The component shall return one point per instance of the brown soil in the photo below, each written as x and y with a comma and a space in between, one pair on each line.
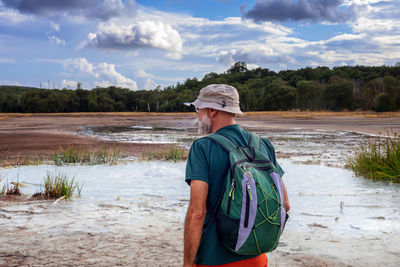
25, 136
30, 136
155, 242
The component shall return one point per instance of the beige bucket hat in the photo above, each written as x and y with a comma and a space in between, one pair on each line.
218, 96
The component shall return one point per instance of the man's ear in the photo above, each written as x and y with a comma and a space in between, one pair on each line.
213, 112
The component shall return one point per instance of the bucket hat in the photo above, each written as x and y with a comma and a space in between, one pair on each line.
218, 96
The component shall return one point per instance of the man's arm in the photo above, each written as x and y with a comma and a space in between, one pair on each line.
285, 198
194, 221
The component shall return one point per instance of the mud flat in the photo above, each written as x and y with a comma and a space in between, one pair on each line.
132, 214
27, 135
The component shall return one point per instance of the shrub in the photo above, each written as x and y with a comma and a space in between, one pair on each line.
8, 189
106, 155
59, 185
378, 160
174, 153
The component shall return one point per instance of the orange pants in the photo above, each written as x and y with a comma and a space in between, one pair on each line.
259, 261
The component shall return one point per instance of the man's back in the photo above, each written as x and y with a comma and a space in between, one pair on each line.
209, 162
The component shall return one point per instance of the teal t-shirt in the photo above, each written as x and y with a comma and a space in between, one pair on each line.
208, 162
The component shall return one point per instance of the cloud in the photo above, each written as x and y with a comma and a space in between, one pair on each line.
143, 34
150, 84
80, 64
98, 9
226, 57
143, 74
255, 57
57, 41
104, 71
298, 10
11, 15
272, 50
69, 84
9, 82
194, 25
55, 26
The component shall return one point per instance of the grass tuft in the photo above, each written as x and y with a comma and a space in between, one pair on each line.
378, 160
59, 185
8, 189
175, 153
106, 155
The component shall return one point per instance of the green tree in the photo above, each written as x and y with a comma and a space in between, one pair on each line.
338, 94
309, 95
237, 67
92, 101
384, 102
279, 96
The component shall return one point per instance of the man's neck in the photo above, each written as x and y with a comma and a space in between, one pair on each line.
221, 124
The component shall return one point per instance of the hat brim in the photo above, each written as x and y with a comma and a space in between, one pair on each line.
203, 104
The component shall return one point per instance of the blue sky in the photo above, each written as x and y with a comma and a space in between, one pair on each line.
145, 43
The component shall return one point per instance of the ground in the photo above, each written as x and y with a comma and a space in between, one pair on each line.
30, 135
158, 244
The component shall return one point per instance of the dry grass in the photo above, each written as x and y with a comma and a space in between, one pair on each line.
175, 153
94, 114
310, 114
287, 114
10, 188
106, 155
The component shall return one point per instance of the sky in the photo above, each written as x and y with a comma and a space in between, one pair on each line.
143, 44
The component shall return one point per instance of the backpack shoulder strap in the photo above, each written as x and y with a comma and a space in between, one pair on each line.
226, 143
255, 141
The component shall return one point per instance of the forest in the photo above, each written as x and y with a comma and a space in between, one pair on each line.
320, 88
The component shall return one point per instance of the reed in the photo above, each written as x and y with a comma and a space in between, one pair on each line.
34, 160
379, 159
58, 185
8, 189
175, 153
106, 155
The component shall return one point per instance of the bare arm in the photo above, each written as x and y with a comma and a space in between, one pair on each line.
194, 220
285, 198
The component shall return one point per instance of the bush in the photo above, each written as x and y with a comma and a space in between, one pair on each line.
385, 102
379, 160
175, 153
59, 185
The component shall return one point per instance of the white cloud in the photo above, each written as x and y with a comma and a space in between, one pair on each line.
57, 41
150, 84
55, 26
252, 66
143, 74
183, 22
69, 84
226, 57
104, 71
143, 34
108, 71
12, 15
8, 82
80, 64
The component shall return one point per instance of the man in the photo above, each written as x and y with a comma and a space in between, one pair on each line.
206, 169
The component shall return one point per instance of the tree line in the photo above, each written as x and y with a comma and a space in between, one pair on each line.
321, 88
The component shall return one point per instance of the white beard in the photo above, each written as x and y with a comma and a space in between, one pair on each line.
204, 126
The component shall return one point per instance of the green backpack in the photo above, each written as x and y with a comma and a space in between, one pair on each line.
251, 215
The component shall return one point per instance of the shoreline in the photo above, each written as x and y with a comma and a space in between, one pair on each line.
155, 239
28, 135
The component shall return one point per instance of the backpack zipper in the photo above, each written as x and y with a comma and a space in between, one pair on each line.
248, 198
231, 196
